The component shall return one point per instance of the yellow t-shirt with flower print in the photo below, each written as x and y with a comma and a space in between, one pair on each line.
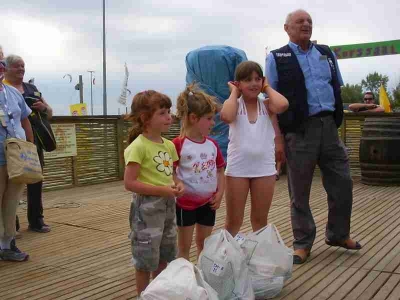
155, 160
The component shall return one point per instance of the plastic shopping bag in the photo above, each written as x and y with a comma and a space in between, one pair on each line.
212, 294
270, 262
266, 288
179, 281
223, 264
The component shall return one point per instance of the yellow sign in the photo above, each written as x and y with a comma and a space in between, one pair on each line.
78, 109
65, 139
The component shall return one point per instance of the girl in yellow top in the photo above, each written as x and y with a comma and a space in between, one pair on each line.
149, 175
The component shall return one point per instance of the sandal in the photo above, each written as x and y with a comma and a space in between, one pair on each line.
343, 244
300, 259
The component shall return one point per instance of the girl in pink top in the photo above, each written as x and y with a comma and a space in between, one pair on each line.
200, 167
253, 132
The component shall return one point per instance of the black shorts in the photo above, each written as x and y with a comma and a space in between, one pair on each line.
204, 215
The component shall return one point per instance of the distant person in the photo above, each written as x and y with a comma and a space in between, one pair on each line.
308, 75
14, 122
368, 105
14, 76
18, 234
251, 149
200, 167
150, 176
17, 220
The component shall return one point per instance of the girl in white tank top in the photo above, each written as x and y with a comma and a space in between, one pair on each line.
251, 148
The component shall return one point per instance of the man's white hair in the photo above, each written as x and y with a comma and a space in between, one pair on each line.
289, 16
12, 59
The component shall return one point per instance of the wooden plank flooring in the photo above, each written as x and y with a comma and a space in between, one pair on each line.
87, 253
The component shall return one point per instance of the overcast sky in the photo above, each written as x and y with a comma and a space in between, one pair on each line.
153, 37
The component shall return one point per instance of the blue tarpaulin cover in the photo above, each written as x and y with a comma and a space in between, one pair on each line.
212, 67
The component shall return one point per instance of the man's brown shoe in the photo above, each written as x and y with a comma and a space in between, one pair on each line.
300, 256
347, 244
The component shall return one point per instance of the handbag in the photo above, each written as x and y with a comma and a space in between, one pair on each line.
43, 132
23, 165
40, 125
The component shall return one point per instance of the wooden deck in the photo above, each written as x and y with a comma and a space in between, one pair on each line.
87, 253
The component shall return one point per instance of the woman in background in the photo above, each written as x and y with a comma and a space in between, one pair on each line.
14, 121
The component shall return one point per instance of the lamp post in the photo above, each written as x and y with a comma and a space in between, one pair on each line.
91, 91
104, 61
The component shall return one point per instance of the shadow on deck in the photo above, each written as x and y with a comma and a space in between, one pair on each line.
87, 253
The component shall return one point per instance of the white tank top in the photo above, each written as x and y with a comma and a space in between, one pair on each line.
251, 148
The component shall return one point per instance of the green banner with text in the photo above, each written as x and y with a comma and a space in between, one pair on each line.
367, 49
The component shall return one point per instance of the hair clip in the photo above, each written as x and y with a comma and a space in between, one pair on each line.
191, 93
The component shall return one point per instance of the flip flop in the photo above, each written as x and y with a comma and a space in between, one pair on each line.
343, 244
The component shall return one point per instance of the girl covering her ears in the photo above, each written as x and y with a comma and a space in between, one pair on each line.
251, 148
200, 167
149, 175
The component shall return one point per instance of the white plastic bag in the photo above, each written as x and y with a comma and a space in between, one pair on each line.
179, 281
270, 255
270, 262
265, 288
223, 264
212, 294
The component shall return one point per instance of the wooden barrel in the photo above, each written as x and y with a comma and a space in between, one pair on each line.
380, 151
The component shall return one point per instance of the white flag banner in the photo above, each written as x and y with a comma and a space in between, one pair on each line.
124, 90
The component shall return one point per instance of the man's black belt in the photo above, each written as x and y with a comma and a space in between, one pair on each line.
322, 114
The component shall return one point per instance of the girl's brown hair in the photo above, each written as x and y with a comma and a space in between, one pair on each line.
194, 100
246, 68
144, 104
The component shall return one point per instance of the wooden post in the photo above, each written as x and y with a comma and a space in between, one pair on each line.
75, 178
80, 89
120, 145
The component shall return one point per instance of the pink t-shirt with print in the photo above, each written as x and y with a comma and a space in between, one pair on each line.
197, 168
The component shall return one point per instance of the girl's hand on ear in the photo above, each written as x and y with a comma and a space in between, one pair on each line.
233, 88
265, 85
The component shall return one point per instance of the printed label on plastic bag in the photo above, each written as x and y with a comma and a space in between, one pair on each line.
217, 269
240, 238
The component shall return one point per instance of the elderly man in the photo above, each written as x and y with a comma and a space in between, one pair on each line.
14, 77
367, 105
308, 76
